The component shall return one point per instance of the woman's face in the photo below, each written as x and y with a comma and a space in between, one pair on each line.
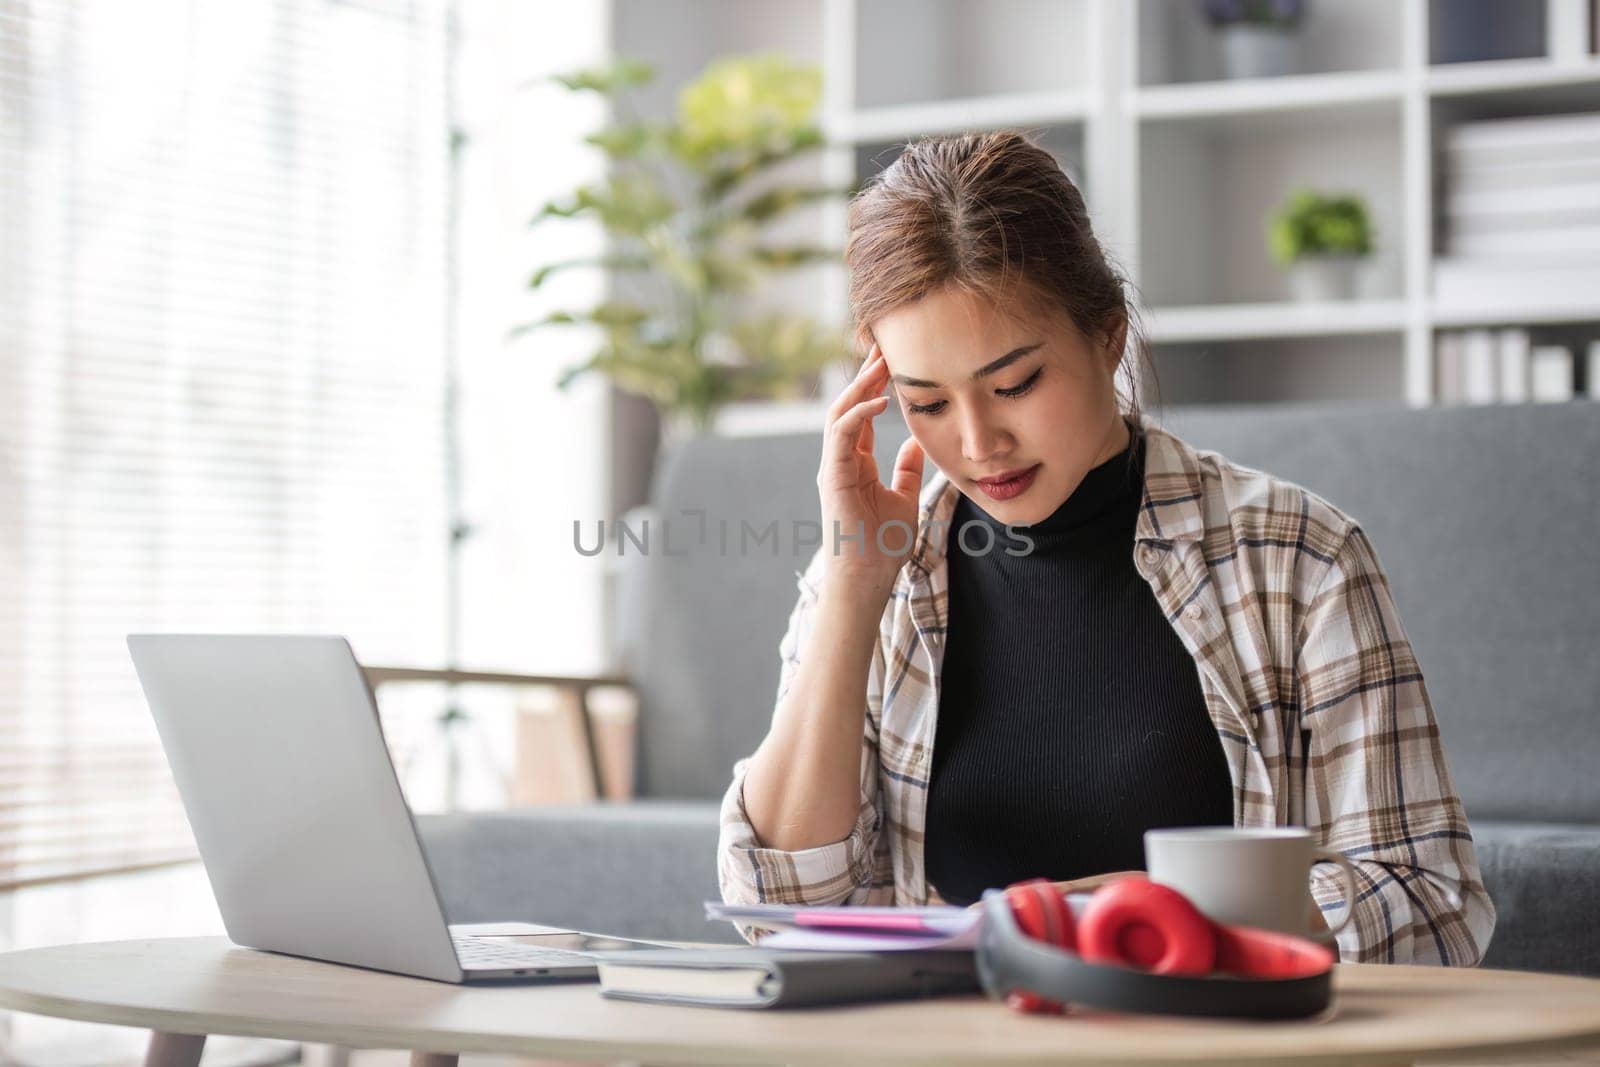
988, 393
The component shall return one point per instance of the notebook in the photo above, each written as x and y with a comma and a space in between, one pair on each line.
757, 977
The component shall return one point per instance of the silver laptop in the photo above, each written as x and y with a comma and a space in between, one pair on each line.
277, 750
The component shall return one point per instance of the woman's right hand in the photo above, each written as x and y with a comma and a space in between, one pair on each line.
852, 493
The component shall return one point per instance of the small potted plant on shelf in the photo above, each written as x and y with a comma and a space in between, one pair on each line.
1258, 38
1323, 239
686, 210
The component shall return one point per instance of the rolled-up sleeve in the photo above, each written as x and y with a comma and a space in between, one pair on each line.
1378, 785
854, 870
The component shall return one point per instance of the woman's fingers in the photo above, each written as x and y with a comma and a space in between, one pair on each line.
847, 427
908, 468
868, 437
868, 380
846, 430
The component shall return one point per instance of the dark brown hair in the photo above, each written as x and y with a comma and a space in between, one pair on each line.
994, 214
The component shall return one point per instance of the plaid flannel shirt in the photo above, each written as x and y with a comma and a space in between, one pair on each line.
1307, 675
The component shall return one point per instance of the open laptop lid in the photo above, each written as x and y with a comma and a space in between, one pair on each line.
275, 744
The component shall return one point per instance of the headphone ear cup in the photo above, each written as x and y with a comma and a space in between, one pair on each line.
1042, 913
1140, 923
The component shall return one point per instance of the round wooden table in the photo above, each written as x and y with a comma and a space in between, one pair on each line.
185, 988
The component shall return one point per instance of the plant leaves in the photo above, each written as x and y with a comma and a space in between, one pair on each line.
626, 140
629, 203
775, 202
611, 262
612, 315
733, 168
743, 100
1311, 222
783, 256
622, 74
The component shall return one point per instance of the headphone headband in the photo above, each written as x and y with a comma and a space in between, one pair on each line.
1009, 960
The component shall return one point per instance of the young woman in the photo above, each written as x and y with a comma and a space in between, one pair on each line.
1081, 627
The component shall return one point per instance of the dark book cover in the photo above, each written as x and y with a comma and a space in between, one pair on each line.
754, 977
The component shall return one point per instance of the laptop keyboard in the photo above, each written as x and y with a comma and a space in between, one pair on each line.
484, 952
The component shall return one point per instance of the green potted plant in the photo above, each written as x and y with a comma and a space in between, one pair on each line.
686, 208
1323, 239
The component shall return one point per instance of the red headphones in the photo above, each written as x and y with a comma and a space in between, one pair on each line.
1142, 946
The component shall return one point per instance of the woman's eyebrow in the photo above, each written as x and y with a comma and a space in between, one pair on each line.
983, 371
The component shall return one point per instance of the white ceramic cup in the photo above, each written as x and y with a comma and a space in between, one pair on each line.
1246, 876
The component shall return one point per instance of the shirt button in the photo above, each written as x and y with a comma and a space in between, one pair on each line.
1193, 611
1151, 555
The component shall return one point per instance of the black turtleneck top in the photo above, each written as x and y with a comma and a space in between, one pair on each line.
1070, 714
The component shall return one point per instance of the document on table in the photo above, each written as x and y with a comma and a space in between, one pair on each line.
845, 928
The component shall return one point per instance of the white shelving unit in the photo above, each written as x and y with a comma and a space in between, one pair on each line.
1181, 168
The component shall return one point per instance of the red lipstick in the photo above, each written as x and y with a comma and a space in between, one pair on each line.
1008, 484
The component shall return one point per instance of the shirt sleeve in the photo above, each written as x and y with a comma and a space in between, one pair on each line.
1378, 786
855, 870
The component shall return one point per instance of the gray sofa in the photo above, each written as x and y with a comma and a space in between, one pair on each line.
1486, 519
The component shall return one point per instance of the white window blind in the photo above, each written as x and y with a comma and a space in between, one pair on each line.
222, 335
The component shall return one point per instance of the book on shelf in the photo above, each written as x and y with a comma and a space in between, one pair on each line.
1513, 349
1568, 30
1560, 200
1522, 188
1479, 378
1503, 366
1460, 283
1528, 244
1513, 174
1550, 374
1447, 367
756, 977
1484, 141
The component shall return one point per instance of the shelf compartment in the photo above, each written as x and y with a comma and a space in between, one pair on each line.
1207, 189
1471, 31
1177, 45
925, 51
1357, 368
1518, 190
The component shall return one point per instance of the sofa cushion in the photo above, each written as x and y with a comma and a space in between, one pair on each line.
1484, 519
1544, 879
642, 869
699, 625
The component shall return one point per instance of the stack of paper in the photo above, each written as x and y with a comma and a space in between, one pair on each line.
1524, 187
864, 929
1521, 212
856, 929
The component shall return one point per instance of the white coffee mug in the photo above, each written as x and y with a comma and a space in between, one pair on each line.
1246, 876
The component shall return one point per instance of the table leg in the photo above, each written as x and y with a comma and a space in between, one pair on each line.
434, 1059
174, 1050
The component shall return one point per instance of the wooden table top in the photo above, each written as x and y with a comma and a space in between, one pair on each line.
1383, 1014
